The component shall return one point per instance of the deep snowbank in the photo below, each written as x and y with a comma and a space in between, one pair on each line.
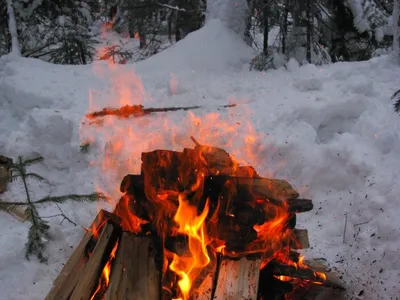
330, 131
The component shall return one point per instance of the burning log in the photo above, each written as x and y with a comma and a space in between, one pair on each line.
195, 226
67, 280
299, 205
97, 261
238, 279
139, 110
135, 273
301, 239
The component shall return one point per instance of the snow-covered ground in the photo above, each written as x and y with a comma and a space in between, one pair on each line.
329, 130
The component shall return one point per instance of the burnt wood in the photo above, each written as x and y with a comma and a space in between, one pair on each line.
299, 205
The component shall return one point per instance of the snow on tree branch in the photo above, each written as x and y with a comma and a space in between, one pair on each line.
232, 13
12, 25
368, 17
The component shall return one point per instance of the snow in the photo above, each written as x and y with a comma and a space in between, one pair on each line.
232, 13
396, 31
13, 28
330, 131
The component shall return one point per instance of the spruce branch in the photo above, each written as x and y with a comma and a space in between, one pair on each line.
396, 96
397, 106
39, 231
93, 197
38, 235
84, 147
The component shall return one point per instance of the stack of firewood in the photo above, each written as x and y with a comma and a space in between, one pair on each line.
239, 202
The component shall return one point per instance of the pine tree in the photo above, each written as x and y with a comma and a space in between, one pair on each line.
58, 31
39, 231
396, 98
396, 31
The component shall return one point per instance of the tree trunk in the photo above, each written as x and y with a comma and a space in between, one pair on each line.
310, 22
266, 26
12, 26
396, 30
247, 35
285, 27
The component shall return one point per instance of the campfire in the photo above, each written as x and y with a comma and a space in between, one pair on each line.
196, 225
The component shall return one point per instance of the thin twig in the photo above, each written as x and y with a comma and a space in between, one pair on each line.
345, 227
61, 215
366, 222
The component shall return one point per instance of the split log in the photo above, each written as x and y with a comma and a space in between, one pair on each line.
280, 269
5, 173
332, 277
67, 279
308, 274
301, 239
5, 177
97, 260
275, 190
299, 205
135, 272
238, 279
203, 286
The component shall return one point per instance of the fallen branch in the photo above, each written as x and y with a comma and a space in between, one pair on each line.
139, 110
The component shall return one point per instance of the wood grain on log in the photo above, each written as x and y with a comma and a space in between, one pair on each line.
302, 241
135, 273
91, 272
203, 285
237, 279
67, 279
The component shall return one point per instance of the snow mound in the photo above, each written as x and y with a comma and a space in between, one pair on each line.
308, 84
213, 48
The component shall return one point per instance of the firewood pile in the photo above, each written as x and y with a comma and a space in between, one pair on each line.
196, 225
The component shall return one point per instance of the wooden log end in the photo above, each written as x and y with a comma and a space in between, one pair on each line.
301, 239
237, 279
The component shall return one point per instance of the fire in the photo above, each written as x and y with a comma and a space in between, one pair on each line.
193, 226
119, 143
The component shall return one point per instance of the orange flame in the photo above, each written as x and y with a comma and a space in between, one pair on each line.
193, 226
